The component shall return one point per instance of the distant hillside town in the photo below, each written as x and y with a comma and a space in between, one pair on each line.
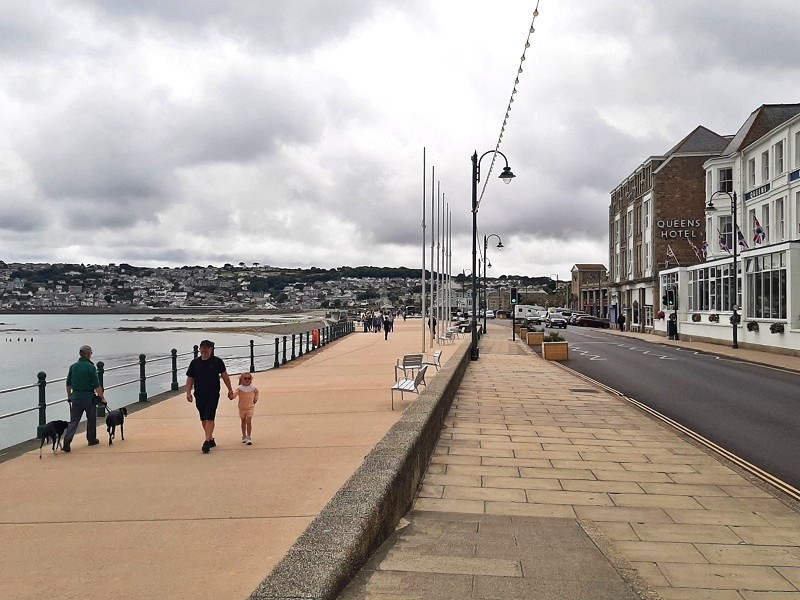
63, 287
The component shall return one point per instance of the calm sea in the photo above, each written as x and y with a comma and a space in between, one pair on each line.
33, 343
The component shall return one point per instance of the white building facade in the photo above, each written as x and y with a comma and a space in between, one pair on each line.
761, 169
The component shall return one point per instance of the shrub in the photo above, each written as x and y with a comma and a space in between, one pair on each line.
776, 328
660, 315
752, 326
696, 317
553, 337
713, 318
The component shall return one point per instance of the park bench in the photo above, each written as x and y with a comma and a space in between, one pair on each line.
409, 385
433, 360
409, 364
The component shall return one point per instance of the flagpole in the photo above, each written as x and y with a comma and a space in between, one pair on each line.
433, 219
424, 188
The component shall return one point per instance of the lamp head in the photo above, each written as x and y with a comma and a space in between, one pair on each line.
500, 245
710, 208
507, 175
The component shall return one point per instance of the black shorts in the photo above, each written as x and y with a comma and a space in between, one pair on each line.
207, 406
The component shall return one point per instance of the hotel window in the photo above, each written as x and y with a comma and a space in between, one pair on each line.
778, 153
646, 214
766, 286
751, 171
751, 220
710, 288
639, 261
647, 255
797, 211
630, 223
780, 218
709, 184
765, 167
726, 180
765, 223
648, 316
726, 232
797, 149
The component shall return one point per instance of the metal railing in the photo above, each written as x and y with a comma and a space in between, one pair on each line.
286, 348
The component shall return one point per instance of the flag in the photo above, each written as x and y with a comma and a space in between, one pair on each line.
759, 235
704, 248
740, 237
670, 253
722, 244
694, 248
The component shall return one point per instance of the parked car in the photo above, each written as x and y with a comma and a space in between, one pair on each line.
502, 314
590, 321
490, 314
555, 320
575, 316
536, 318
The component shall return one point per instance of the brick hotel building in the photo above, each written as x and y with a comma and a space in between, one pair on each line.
658, 207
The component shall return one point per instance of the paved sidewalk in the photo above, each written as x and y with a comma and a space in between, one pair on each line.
546, 487
153, 517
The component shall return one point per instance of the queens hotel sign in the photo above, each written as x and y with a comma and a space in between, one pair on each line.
679, 229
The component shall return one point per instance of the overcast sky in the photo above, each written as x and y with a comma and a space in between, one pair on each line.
291, 133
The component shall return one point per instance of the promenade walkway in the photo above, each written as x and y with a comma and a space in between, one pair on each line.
153, 517
545, 486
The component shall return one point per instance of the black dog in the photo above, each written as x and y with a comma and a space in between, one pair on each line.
114, 418
53, 432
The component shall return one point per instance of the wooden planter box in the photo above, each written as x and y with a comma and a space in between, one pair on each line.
517, 327
523, 331
535, 338
555, 350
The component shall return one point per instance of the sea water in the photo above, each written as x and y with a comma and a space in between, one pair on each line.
30, 343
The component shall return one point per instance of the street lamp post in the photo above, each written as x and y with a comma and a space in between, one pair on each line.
485, 250
735, 270
506, 176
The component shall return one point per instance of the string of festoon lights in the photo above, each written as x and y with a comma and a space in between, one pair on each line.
510, 102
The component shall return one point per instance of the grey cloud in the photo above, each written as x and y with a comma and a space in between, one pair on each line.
17, 218
297, 27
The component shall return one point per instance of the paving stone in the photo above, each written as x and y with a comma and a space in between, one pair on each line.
783, 556
655, 500
466, 506
675, 532
636, 551
696, 594
484, 493
730, 577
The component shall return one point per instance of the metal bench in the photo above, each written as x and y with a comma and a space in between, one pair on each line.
409, 364
433, 360
409, 385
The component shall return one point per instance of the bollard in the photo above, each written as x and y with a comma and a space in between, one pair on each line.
293, 354
252, 357
42, 377
142, 379
283, 360
174, 385
100, 409
277, 364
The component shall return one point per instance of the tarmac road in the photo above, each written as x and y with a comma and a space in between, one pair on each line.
748, 409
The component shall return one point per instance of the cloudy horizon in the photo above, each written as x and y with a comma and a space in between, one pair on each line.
292, 133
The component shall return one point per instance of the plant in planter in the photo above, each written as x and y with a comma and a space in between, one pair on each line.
738, 319
713, 318
752, 326
660, 315
696, 317
776, 328
555, 347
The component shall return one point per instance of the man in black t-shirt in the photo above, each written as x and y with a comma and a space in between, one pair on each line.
203, 376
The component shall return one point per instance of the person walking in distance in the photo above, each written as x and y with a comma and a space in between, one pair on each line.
202, 376
387, 327
83, 386
248, 396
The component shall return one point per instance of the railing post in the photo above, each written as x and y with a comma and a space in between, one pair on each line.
283, 360
252, 357
293, 352
322, 336
142, 379
308, 342
299, 345
277, 364
196, 350
174, 385
42, 377
100, 409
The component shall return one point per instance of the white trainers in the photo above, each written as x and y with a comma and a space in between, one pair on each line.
244, 440
248, 441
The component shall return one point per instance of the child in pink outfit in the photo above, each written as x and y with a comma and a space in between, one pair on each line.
248, 396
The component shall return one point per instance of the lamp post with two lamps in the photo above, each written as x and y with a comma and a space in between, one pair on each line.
506, 176
485, 249
710, 208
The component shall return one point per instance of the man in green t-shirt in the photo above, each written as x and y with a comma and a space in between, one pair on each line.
83, 385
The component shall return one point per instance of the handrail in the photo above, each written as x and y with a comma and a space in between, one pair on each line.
297, 345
